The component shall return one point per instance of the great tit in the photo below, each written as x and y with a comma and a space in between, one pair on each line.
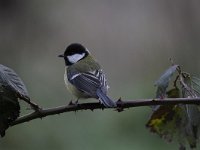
83, 76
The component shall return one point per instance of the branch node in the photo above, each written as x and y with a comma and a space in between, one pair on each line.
119, 109
120, 99
119, 105
153, 100
119, 102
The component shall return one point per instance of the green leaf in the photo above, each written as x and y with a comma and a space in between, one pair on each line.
9, 109
173, 93
163, 82
187, 90
11, 88
196, 85
191, 90
167, 121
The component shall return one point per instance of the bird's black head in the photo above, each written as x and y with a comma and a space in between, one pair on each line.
73, 53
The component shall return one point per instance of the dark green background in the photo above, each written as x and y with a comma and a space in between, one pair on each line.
132, 39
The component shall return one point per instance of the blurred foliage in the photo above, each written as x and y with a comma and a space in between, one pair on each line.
131, 39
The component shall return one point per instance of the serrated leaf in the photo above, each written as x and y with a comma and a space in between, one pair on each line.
10, 80
165, 119
11, 88
190, 89
196, 85
163, 82
166, 122
9, 109
187, 87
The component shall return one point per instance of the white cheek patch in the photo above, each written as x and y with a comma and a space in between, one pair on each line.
75, 57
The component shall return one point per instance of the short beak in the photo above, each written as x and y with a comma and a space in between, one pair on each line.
61, 55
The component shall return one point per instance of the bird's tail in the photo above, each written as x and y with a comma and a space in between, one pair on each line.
105, 100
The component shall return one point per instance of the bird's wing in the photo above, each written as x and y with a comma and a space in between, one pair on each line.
88, 82
94, 84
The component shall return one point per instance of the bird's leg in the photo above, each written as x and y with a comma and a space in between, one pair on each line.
76, 102
73, 103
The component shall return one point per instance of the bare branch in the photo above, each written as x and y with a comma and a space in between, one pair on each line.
40, 113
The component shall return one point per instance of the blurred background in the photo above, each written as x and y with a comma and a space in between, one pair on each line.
132, 39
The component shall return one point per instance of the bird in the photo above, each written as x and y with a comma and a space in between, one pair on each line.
84, 76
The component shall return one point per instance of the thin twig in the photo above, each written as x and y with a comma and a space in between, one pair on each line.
91, 106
